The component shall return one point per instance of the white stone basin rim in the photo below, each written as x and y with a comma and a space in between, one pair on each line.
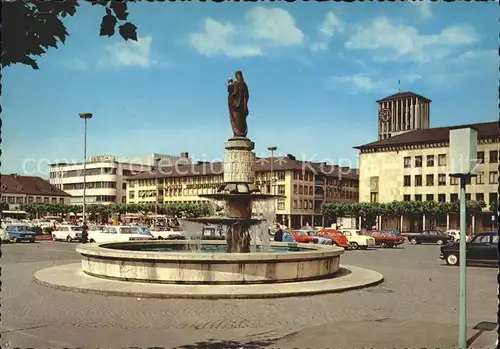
213, 268
106, 252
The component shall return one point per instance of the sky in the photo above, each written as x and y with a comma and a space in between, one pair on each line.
314, 71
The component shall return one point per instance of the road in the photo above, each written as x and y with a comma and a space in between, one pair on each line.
417, 301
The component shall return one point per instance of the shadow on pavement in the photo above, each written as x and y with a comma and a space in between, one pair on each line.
226, 344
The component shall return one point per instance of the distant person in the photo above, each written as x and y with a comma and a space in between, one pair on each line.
85, 233
278, 235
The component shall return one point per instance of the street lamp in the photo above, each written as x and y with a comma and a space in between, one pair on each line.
272, 149
463, 160
157, 160
85, 117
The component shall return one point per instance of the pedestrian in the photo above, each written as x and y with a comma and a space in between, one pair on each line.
278, 235
85, 233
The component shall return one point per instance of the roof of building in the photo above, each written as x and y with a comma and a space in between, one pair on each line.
28, 185
485, 130
261, 165
400, 95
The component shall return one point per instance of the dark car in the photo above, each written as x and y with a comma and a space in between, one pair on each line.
482, 249
430, 237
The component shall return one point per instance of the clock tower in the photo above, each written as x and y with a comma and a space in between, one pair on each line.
402, 112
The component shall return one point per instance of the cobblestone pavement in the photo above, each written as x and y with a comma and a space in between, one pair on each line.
418, 287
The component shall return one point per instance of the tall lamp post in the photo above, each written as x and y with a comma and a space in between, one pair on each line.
85, 117
463, 160
156, 160
272, 149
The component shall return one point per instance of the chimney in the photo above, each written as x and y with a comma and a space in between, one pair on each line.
185, 155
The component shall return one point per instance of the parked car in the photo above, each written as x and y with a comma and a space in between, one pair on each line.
430, 237
309, 237
168, 233
385, 240
67, 233
118, 234
20, 232
358, 240
394, 232
337, 238
4, 236
456, 234
482, 249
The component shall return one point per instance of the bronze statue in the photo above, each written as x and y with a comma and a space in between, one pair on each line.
238, 97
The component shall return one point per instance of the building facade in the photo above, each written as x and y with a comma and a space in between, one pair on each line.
17, 190
105, 175
305, 185
415, 166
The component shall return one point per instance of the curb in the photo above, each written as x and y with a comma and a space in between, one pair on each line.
325, 286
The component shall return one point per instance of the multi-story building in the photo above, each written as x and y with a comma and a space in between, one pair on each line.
105, 176
415, 166
305, 185
17, 190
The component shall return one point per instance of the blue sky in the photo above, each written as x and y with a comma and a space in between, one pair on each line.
314, 73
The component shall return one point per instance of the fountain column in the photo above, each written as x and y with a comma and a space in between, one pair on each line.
239, 176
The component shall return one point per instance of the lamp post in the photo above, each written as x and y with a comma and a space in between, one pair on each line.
463, 158
272, 149
85, 117
156, 160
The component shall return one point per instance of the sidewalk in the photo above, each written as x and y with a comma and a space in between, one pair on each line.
383, 334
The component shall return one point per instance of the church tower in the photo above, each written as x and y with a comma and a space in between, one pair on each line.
402, 112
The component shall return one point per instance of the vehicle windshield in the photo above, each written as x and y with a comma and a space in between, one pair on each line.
19, 227
129, 230
77, 228
144, 230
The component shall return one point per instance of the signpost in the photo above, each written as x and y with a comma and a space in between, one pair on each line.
463, 160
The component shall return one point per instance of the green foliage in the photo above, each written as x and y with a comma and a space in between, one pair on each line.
369, 210
29, 29
190, 210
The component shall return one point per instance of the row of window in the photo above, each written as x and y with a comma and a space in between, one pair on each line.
302, 204
430, 159
492, 197
441, 179
92, 185
90, 172
30, 199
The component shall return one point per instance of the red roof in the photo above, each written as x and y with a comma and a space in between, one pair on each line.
28, 185
401, 95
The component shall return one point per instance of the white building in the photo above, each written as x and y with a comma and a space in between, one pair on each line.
105, 176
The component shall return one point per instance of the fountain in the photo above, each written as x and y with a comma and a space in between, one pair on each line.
219, 269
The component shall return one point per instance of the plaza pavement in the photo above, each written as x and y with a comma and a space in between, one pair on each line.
416, 307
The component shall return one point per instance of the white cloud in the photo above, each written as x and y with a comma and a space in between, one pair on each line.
364, 83
478, 57
264, 28
397, 42
130, 53
327, 29
424, 8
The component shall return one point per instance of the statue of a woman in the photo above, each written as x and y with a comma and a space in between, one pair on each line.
238, 97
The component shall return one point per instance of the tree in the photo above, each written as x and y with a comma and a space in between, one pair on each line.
30, 28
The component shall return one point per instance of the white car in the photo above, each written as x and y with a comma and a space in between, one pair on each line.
358, 240
456, 235
167, 233
117, 233
67, 233
4, 236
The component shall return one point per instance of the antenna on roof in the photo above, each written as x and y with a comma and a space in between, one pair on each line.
399, 86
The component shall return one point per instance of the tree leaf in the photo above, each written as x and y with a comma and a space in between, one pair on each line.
128, 31
120, 9
108, 25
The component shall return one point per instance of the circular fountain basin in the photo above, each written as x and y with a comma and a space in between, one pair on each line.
168, 262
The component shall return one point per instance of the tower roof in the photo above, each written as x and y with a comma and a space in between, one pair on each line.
400, 95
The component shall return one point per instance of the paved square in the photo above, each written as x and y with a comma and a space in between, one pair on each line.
416, 306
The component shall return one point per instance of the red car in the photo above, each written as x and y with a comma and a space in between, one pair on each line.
303, 237
338, 238
385, 240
